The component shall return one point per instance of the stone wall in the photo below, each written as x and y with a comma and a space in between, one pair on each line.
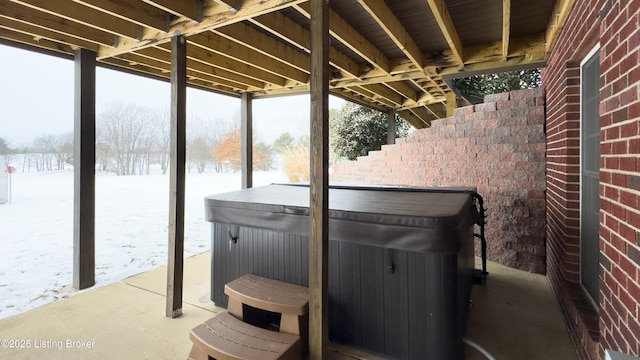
498, 147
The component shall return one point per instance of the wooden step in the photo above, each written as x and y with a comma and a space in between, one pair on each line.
225, 337
289, 300
268, 294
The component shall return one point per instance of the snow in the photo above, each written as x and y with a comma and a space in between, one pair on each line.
36, 230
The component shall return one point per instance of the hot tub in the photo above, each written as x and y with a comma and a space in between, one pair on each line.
401, 260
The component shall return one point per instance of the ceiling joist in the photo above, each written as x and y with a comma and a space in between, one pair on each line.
386, 55
506, 27
443, 18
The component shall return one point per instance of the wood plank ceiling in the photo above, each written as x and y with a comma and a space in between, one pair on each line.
392, 54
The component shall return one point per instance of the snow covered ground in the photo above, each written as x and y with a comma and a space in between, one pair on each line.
36, 230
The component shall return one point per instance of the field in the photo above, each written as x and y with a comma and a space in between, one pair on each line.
36, 230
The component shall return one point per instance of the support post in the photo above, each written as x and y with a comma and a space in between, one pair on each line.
391, 127
319, 193
177, 175
452, 103
246, 130
84, 173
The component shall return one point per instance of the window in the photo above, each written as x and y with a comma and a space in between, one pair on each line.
590, 173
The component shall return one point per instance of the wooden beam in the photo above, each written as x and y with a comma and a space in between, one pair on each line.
404, 90
199, 65
226, 63
391, 126
177, 159
154, 57
373, 97
233, 5
241, 53
506, 27
86, 16
190, 9
84, 176
246, 139
265, 44
490, 67
423, 114
351, 38
135, 11
385, 18
288, 30
525, 52
212, 17
452, 103
412, 119
38, 33
559, 17
385, 93
319, 183
22, 40
441, 14
54, 23
378, 79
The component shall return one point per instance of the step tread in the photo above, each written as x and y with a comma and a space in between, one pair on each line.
269, 294
226, 337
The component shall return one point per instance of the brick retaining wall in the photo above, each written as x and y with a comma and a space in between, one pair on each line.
498, 147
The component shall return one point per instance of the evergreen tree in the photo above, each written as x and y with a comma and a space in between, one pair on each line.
357, 129
480, 85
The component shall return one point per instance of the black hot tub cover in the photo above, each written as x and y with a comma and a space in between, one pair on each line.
405, 218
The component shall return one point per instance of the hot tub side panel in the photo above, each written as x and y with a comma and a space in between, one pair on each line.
416, 311
276, 255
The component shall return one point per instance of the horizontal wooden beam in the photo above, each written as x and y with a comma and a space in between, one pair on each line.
50, 22
265, 44
241, 53
84, 15
296, 35
212, 17
414, 120
190, 9
135, 11
351, 38
38, 33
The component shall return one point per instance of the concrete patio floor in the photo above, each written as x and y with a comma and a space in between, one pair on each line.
514, 316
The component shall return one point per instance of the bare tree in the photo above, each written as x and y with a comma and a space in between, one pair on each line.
161, 132
43, 150
62, 146
6, 151
121, 137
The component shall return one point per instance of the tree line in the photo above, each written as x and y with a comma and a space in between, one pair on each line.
131, 139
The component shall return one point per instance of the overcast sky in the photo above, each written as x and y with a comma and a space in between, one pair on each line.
36, 99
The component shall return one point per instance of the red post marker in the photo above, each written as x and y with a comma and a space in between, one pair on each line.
10, 170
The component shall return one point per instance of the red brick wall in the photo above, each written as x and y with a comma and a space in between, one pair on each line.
497, 147
620, 177
615, 325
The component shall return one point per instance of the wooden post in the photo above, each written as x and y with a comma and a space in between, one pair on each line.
319, 193
177, 175
391, 127
84, 173
246, 130
452, 103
